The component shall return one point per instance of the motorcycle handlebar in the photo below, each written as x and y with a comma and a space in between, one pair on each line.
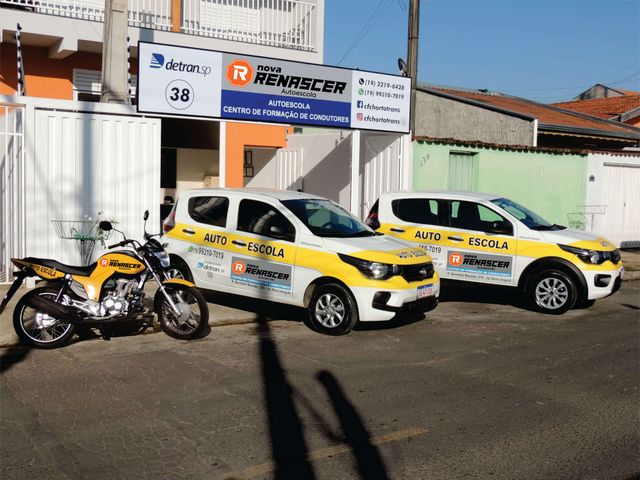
119, 244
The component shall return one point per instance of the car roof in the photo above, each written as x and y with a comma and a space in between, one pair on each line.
257, 192
447, 194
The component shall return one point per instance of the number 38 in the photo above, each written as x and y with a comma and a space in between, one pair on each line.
183, 95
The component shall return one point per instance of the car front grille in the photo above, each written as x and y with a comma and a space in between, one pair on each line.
417, 273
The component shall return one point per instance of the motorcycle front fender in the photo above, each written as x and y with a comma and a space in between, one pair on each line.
179, 281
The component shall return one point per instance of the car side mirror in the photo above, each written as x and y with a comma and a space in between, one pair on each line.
105, 226
501, 228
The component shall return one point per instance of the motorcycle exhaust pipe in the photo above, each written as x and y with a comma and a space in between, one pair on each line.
43, 304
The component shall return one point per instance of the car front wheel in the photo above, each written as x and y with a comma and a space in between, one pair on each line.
333, 310
552, 291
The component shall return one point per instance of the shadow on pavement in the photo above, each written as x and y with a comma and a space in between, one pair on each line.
12, 356
452, 291
356, 435
288, 446
289, 451
258, 306
391, 324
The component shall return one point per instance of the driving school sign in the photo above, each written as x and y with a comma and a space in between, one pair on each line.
193, 82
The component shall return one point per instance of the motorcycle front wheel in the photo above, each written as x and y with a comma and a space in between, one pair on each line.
193, 316
38, 329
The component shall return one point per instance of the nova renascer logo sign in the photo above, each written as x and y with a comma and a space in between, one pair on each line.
195, 82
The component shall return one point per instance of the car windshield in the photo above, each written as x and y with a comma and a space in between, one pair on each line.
526, 216
327, 219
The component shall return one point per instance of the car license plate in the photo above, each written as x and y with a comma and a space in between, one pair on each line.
425, 291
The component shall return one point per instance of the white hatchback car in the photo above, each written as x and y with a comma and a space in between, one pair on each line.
298, 249
485, 238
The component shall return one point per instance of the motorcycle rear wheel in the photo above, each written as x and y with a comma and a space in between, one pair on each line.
194, 316
37, 329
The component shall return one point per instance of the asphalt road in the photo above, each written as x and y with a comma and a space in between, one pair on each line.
481, 388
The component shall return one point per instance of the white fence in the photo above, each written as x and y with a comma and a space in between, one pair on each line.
78, 159
12, 177
280, 23
613, 196
155, 14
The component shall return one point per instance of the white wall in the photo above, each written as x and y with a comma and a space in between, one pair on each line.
385, 165
192, 165
613, 196
326, 167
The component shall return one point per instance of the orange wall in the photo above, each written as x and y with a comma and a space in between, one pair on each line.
45, 77
50, 78
241, 135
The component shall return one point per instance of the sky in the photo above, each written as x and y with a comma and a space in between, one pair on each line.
544, 50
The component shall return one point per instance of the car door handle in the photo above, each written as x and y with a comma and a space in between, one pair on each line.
397, 230
188, 231
456, 238
238, 243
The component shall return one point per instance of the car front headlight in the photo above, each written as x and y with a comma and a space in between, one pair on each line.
594, 257
372, 270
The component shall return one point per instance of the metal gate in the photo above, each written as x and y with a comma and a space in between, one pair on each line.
622, 197
12, 177
382, 167
75, 167
289, 169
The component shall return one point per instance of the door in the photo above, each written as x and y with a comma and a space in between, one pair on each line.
621, 220
210, 260
382, 167
263, 252
289, 169
463, 171
479, 244
421, 221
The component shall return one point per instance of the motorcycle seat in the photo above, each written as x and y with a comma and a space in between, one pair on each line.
61, 267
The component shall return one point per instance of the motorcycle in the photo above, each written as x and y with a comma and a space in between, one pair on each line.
108, 293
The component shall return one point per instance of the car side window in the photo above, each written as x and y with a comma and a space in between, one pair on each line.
209, 210
263, 219
473, 216
417, 210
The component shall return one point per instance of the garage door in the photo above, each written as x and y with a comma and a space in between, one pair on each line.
621, 222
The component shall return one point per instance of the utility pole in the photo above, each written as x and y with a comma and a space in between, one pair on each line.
412, 57
115, 87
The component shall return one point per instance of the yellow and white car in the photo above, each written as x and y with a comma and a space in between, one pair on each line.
298, 249
485, 238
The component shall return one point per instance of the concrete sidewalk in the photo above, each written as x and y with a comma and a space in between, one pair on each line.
232, 309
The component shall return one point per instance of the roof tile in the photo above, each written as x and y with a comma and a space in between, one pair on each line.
603, 107
546, 114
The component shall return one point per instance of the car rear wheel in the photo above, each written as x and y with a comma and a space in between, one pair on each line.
333, 310
552, 291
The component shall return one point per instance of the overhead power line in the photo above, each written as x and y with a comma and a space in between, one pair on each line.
378, 12
584, 85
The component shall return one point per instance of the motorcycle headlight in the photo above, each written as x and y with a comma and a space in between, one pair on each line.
163, 256
593, 257
372, 270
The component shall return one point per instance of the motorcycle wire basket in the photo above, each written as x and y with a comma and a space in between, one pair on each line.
85, 232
